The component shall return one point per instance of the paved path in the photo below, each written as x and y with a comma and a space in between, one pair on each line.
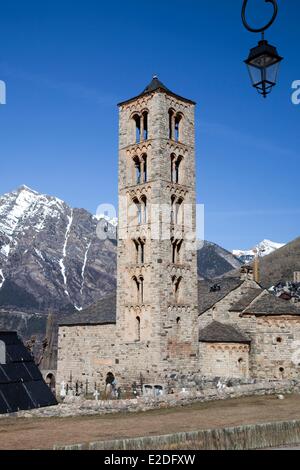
43, 433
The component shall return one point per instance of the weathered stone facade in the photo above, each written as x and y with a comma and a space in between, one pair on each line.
86, 354
272, 325
156, 331
224, 359
153, 336
275, 346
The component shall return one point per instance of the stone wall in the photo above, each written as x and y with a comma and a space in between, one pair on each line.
78, 406
250, 437
224, 359
221, 310
275, 346
86, 353
157, 332
275, 339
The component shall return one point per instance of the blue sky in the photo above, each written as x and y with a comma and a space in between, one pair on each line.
68, 63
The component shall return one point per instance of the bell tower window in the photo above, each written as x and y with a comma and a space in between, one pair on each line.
138, 174
137, 121
178, 119
138, 328
171, 124
145, 169
145, 125
176, 162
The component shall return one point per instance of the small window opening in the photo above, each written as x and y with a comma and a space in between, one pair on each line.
145, 131
138, 328
142, 289
137, 120
137, 165
145, 169
177, 128
137, 285
142, 245
171, 117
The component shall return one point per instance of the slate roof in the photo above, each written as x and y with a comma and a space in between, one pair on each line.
207, 299
269, 304
21, 384
103, 312
217, 332
157, 85
248, 296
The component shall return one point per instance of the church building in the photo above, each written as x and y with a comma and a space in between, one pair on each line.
164, 328
155, 332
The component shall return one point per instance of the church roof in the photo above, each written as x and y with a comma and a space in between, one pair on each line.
217, 332
157, 85
21, 384
248, 296
102, 312
269, 304
208, 297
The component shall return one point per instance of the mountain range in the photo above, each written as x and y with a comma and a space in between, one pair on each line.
51, 257
264, 248
55, 259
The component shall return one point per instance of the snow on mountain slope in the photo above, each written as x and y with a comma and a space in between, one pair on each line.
44, 260
264, 248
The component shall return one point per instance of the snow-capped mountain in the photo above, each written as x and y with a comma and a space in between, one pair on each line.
264, 248
51, 256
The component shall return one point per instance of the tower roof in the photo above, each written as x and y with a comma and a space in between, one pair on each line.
156, 85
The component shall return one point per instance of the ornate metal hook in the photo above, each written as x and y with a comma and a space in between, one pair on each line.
264, 28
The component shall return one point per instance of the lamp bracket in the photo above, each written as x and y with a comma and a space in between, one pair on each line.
264, 28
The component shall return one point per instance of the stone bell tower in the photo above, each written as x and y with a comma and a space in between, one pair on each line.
157, 327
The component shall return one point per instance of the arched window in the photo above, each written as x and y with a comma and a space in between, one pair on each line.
139, 246
137, 121
138, 173
137, 250
178, 251
138, 206
173, 161
178, 165
137, 289
179, 212
145, 125
173, 210
178, 119
176, 282
138, 328
141, 290
2, 353
50, 381
178, 325
171, 123
145, 169
145, 210
142, 251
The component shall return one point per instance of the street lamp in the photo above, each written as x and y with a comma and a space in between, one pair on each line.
263, 61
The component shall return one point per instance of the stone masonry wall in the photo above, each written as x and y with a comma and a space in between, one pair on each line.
275, 340
224, 360
86, 353
275, 346
157, 335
